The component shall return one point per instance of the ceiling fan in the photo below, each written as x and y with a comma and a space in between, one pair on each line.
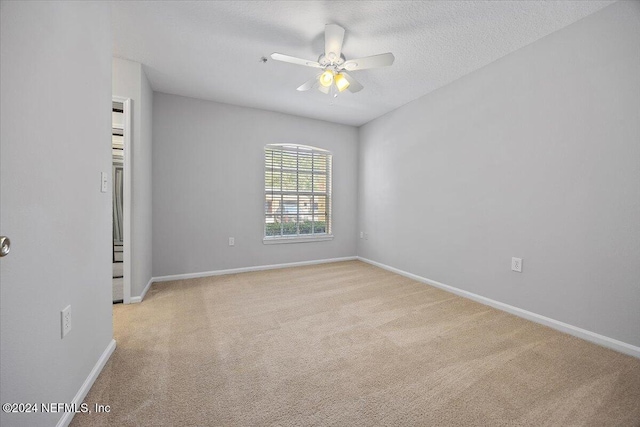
334, 77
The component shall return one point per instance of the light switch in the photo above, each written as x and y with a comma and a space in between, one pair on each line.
104, 182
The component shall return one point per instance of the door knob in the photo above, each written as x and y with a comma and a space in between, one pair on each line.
5, 246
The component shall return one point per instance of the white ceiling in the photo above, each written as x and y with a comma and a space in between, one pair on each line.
212, 50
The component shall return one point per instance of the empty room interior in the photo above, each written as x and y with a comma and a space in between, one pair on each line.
320, 213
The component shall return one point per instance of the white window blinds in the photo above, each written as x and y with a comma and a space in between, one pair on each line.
297, 187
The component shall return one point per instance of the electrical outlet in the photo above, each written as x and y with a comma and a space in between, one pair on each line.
65, 319
232, 241
366, 236
361, 234
516, 264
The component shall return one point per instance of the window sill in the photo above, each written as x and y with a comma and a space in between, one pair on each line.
296, 239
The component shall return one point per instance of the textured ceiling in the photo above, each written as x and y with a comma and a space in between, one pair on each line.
212, 50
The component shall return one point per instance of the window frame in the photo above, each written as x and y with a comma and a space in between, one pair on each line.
299, 238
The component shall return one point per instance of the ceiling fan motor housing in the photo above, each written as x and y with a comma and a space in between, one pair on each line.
327, 60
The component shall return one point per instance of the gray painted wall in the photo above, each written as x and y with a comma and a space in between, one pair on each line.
536, 156
208, 174
130, 81
142, 229
55, 80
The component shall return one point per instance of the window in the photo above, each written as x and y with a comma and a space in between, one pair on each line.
297, 190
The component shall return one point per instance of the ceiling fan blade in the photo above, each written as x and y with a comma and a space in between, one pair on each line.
323, 89
308, 84
294, 60
354, 85
333, 38
375, 61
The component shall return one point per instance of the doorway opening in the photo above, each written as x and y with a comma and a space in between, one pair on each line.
120, 180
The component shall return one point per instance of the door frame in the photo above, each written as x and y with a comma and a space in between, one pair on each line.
126, 208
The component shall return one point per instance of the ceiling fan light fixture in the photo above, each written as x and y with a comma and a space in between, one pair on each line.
335, 70
341, 82
326, 78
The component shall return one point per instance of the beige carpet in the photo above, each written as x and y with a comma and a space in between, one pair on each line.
348, 344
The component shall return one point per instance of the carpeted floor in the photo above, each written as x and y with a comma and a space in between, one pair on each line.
348, 344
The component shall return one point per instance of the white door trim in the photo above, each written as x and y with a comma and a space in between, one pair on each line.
126, 209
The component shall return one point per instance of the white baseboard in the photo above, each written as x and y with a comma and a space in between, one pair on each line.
247, 269
593, 337
86, 386
135, 300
